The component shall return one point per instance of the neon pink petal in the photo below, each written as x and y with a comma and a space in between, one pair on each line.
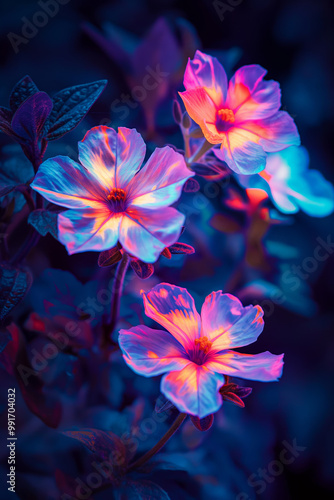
113, 158
264, 367
83, 230
201, 108
159, 183
206, 71
194, 390
274, 133
145, 233
174, 309
151, 352
227, 323
240, 151
64, 182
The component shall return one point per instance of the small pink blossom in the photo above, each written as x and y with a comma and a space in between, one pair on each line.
241, 115
195, 352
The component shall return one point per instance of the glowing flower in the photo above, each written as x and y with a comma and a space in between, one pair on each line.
242, 116
111, 199
291, 185
195, 351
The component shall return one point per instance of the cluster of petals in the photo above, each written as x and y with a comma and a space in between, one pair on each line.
241, 115
291, 185
110, 198
195, 351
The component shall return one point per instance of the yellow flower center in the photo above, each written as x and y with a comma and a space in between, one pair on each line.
226, 115
204, 344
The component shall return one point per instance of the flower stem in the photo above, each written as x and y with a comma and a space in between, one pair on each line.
147, 456
117, 290
204, 148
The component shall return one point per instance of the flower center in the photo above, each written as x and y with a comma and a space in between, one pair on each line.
116, 199
204, 344
225, 118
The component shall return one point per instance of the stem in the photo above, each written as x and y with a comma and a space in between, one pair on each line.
117, 290
204, 147
147, 456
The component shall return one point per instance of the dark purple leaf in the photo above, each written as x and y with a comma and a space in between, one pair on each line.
107, 445
6, 189
181, 248
233, 398
243, 392
44, 222
22, 90
70, 106
29, 119
202, 424
14, 284
15, 360
142, 269
109, 257
191, 186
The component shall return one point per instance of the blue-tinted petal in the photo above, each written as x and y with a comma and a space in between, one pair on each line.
151, 352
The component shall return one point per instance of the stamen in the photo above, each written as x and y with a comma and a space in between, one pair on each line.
204, 344
226, 115
117, 198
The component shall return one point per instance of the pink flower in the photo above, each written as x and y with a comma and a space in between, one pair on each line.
110, 199
242, 116
195, 351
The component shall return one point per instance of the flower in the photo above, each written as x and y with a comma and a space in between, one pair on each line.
242, 116
110, 199
291, 185
195, 351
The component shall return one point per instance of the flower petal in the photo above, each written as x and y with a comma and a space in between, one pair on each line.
145, 233
84, 230
151, 352
227, 323
194, 390
274, 133
206, 71
159, 183
264, 367
113, 158
64, 182
202, 110
250, 97
241, 152
174, 309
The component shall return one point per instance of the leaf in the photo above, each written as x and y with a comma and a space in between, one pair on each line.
202, 424
166, 253
29, 119
20, 93
142, 269
143, 490
181, 248
106, 445
5, 120
14, 359
177, 113
109, 257
70, 106
191, 186
14, 284
44, 222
